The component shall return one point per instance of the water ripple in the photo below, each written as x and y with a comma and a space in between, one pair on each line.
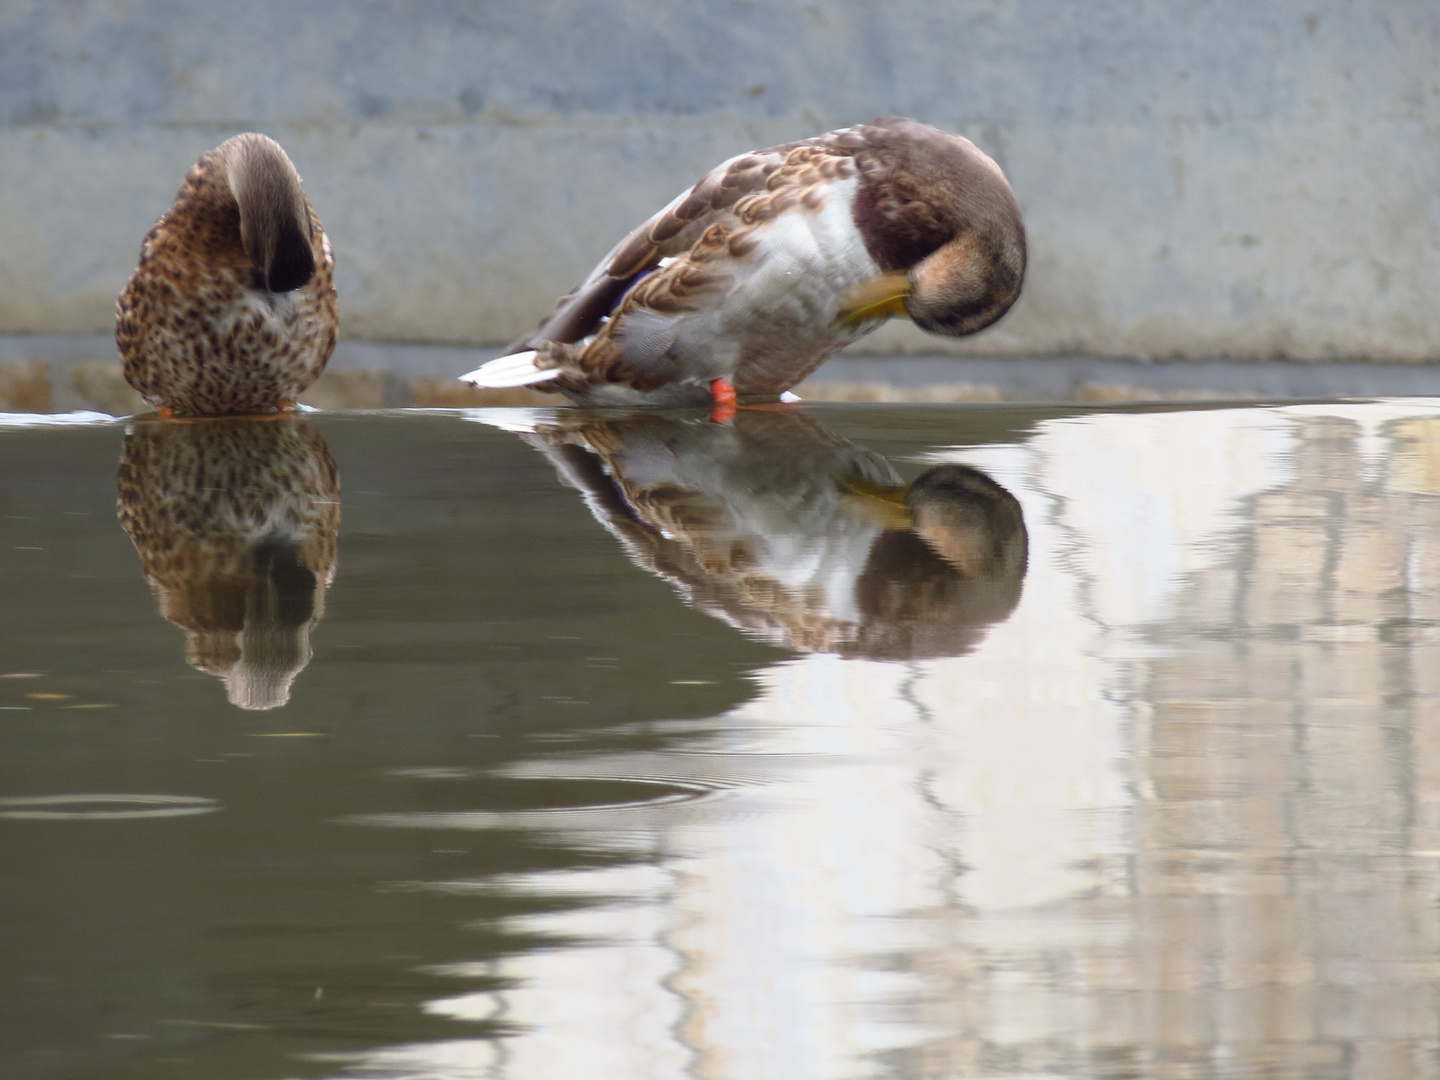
649, 793
104, 807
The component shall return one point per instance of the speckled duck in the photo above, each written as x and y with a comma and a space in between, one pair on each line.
232, 309
775, 260
792, 534
235, 522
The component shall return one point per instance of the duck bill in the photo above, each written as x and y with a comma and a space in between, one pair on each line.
880, 297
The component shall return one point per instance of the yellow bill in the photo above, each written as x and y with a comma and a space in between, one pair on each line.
880, 297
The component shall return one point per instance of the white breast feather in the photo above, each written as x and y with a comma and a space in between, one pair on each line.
787, 291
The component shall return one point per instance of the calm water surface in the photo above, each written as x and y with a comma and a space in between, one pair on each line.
853, 742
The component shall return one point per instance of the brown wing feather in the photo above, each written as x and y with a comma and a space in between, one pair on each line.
673, 231
702, 231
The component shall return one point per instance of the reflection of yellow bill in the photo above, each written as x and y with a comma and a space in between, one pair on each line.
1415, 462
880, 297
288, 734
876, 503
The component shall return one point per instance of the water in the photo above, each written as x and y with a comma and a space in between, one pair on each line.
543, 746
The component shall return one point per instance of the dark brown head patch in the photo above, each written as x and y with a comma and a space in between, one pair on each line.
921, 188
274, 222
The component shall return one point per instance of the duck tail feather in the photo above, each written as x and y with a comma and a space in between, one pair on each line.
517, 369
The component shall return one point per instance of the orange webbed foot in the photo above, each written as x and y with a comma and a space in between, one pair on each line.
722, 396
285, 405
165, 412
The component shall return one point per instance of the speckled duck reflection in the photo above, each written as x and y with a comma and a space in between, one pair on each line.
235, 522
778, 526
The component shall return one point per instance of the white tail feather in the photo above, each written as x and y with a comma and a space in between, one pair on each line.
517, 369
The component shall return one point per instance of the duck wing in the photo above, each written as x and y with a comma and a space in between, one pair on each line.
673, 231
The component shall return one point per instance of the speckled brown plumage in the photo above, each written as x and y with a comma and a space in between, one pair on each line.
232, 308
766, 524
745, 277
235, 521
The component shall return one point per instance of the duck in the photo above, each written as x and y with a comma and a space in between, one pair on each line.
746, 282
232, 308
790, 533
235, 521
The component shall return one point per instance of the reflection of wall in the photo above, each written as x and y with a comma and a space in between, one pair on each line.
1271, 909
1250, 179
1296, 779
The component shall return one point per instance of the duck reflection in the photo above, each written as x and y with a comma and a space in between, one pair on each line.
783, 529
235, 522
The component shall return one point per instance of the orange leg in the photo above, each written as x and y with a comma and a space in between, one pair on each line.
722, 395
165, 412
285, 406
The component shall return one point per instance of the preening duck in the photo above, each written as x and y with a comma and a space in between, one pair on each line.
232, 308
235, 522
775, 260
791, 533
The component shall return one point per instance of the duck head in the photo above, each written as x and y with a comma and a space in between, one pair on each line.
938, 215
275, 227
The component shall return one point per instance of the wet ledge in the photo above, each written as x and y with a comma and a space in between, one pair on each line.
60, 373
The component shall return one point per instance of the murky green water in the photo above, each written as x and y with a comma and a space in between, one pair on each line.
895, 742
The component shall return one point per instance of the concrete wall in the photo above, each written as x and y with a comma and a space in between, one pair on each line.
1198, 178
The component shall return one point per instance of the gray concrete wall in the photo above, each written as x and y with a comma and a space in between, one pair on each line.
1222, 178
